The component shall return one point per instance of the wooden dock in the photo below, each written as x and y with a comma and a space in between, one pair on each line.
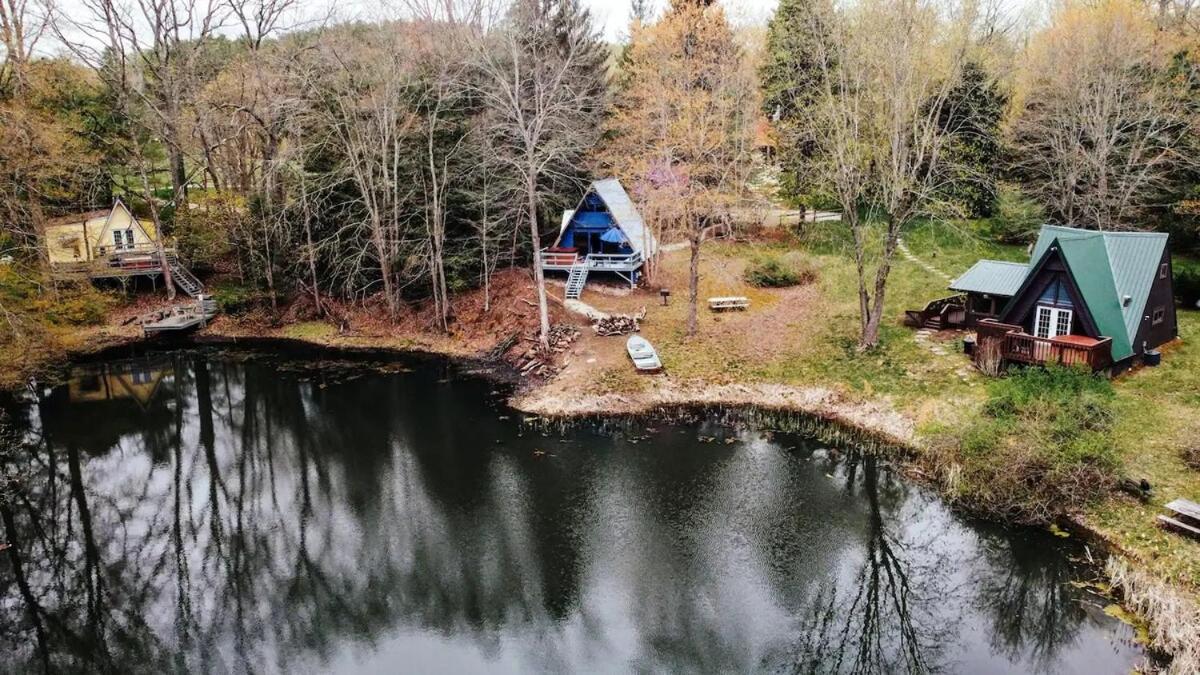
181, 317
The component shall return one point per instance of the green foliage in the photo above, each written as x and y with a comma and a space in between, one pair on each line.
1016, 218
1187, 284
68, 304
775, 271
1041, 445
789, 77
971, 119
233, 298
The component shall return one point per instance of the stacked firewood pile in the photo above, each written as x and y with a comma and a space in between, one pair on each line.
620, 324
540, 362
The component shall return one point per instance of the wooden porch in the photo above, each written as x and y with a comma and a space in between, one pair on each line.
109, 262
949, 312
565, 260
1012, 344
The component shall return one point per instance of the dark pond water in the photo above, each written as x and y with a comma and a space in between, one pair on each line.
204, 513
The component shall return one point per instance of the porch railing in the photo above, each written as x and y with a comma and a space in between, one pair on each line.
1014, 344
118, 261
614, 261
597, 261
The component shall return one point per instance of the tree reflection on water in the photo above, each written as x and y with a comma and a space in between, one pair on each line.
207, 514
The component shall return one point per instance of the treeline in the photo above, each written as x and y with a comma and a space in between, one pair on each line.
397, 159
1089, 119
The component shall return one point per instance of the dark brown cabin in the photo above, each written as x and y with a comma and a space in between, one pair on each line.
1101, 299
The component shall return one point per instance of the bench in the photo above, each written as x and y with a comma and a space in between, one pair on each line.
731, 302
1186, 516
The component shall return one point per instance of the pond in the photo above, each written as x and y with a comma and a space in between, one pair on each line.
205, 512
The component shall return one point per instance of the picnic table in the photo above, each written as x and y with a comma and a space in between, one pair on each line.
728, 302
1186, 516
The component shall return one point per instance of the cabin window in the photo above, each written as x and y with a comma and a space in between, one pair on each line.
118, 242
1160, 315
1163, 270
129, 238
1052, 322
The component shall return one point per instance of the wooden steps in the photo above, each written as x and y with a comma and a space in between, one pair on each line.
184, 279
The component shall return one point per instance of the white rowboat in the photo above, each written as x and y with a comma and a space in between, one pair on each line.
642, 352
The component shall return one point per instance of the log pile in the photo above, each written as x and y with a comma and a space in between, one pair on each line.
620, 324
539, 362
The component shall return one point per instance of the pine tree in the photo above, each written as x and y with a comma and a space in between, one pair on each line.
790, 77
971, 118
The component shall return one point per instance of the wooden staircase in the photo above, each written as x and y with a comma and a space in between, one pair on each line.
183, 278
576, 280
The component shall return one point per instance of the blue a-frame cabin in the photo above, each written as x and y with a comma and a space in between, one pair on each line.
604, 233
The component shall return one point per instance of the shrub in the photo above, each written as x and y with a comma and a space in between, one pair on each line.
1187, 286
1040, 446
87, 307
773, 271
1016, 219
235, 299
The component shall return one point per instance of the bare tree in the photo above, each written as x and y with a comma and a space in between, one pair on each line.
886, 71
22, 25
542, 83
1101, 127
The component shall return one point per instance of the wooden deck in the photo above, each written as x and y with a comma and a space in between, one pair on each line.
1015, 345
565, 259
181, 317
139, 260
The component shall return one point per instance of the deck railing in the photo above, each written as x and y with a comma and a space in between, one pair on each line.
623, 262
118, 261
614, 261
559, 258
1017, 345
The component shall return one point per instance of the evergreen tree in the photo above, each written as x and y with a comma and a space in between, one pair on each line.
790, 77
971, 119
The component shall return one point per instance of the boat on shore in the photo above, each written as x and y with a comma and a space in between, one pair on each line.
645, 358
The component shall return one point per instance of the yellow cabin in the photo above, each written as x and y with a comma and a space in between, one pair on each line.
98, 235
135, 381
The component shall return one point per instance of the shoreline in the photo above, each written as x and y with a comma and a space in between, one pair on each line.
875, 423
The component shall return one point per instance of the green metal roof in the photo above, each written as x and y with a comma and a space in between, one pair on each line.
1107, 267
994, 277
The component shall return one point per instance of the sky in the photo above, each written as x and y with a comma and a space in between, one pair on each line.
613, 15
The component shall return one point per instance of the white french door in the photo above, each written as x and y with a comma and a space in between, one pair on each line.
1052, 322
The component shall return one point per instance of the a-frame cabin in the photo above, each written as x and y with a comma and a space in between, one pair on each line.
604, 233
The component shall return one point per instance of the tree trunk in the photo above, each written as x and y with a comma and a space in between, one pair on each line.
693, 281
874, 318
539, 277
385, 268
